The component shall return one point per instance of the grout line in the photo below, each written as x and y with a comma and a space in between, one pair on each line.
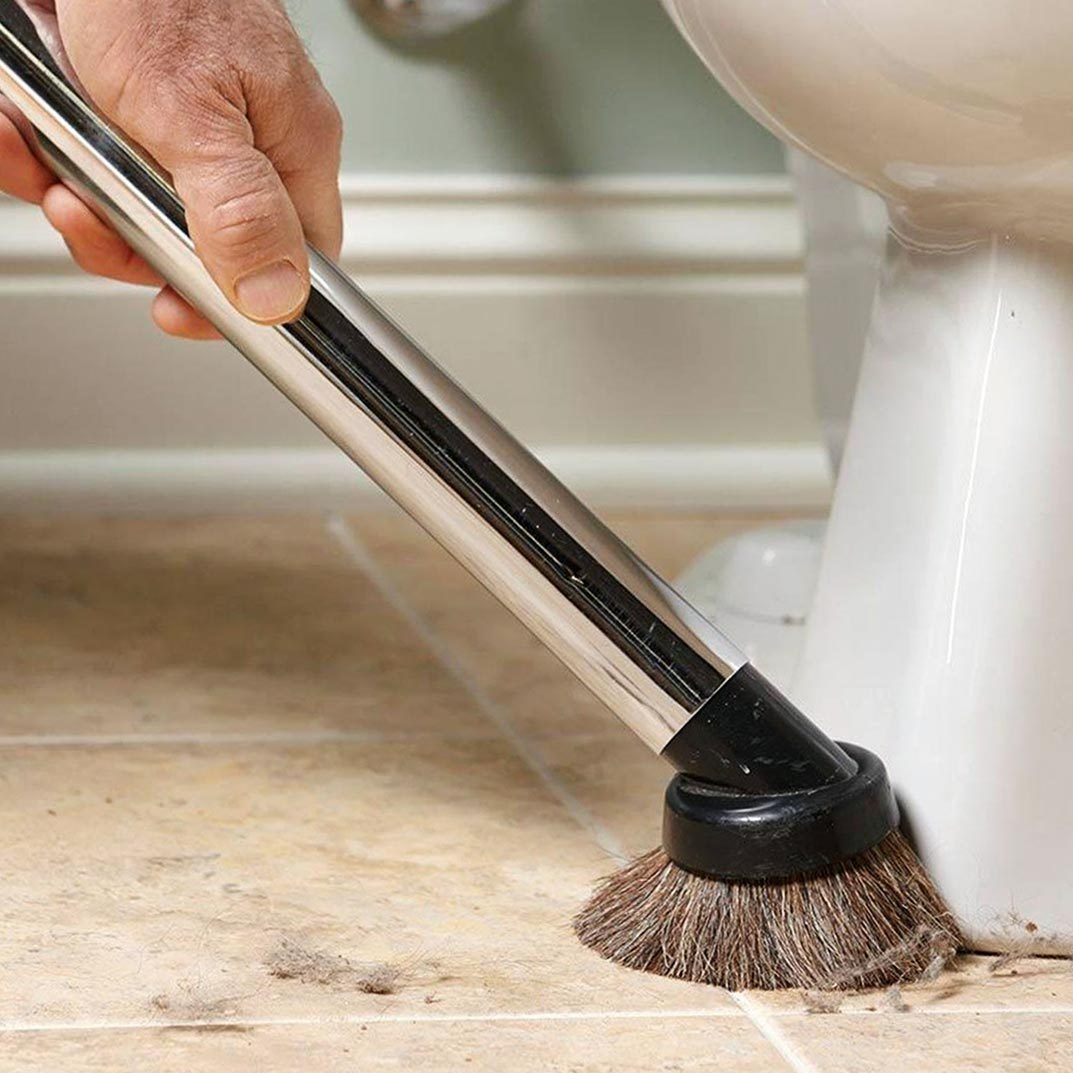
761, 1019
990, 1011
931, 1011
375, 1018
251, 738
769, 1028
530, 755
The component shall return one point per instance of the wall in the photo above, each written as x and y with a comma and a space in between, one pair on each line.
560, 87
643, 332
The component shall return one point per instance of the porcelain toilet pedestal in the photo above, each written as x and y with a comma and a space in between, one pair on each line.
942, 629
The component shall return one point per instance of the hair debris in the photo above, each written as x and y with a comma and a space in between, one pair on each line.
894, 1000
188, 1011
382, 979
292, 961
822, 1001
1025, 941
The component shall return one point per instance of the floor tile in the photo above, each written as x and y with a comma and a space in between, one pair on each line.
919, 1043
617, 780
205, 627
1007, 982
645, 1045
502, 658
141, 881
344, 864
540, 697
975, 983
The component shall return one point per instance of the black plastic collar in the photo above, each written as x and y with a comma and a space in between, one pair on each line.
727, 834
749, 736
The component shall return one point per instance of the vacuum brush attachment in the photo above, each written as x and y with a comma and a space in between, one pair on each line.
762, 793
781, 864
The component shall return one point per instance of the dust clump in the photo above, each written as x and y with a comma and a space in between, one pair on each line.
893, 999
934, 949
937, 966
183, 860
1024, 941
822, 1001
937, 946
189, 1012
292, 961
382, 979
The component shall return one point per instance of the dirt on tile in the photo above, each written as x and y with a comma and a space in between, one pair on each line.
187, 860
1025, 940
893, 999
830, 999
189, 1011
822, 1001
291, 960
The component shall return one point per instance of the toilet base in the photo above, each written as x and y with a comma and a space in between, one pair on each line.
941, 635
757, 586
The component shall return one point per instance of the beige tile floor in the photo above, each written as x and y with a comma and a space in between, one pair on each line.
246, 762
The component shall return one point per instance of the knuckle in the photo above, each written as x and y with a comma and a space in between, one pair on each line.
330, 119
129, 85
166, 100
242, 210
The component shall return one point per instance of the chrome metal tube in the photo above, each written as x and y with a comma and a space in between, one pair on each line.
625, 633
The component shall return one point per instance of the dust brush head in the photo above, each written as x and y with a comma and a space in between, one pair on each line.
809, 887
873, 921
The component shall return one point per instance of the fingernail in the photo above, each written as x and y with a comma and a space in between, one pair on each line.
271, 294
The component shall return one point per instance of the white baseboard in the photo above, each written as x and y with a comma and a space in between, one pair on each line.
491, 225
650, 330
323, 479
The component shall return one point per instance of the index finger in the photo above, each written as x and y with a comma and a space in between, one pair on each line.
22, 175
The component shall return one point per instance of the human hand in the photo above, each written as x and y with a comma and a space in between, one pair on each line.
222, 95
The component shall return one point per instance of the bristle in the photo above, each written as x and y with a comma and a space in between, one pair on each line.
873, 921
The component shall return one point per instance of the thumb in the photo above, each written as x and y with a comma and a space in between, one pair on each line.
244, 225
182, 77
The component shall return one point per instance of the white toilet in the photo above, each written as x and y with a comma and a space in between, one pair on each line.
941, 633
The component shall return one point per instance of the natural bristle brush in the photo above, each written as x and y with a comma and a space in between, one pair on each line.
781, 865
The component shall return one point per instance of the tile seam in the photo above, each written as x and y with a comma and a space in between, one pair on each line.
364, 560
745, 1010
767, 1026
550, 1016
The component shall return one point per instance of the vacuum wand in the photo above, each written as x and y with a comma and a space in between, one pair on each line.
671, 676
